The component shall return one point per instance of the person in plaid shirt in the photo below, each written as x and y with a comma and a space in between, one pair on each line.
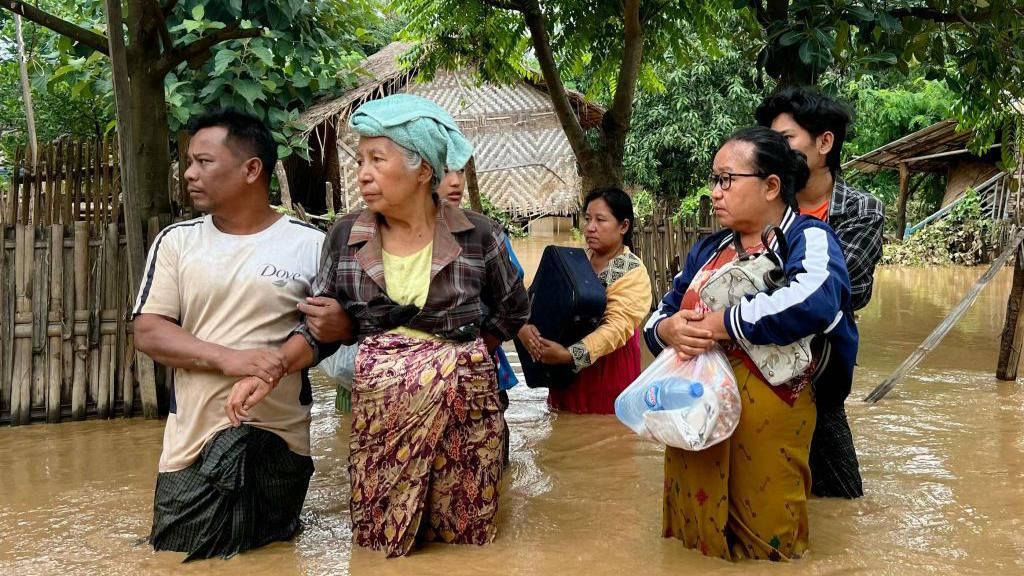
817, 126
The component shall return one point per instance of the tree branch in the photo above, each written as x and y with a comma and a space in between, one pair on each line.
199, 51
934, 15
537, 25
161, 16
81, 35
629, 69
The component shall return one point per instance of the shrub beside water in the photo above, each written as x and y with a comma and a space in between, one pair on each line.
962, 238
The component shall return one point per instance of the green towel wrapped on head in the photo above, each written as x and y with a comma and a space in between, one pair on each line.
417, 124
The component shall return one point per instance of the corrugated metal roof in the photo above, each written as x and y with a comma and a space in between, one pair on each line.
936, 139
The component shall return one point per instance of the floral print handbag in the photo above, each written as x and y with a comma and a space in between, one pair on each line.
751, 274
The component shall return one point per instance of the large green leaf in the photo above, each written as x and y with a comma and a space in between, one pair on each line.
249, 90
791, 37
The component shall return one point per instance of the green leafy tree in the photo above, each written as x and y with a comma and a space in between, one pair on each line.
974, 45
174, 58
886, 111
677, 129
618, 47
612, 42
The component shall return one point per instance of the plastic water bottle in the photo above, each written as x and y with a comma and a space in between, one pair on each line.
664, 394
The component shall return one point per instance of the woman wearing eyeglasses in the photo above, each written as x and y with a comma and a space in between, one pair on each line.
747, 497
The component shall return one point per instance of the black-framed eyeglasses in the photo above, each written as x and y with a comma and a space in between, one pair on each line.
725, 179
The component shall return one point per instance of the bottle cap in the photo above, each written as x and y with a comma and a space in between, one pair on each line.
696, 389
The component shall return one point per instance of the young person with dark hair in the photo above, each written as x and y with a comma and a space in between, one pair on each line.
747, 496
220, 303
818, 126
607, 360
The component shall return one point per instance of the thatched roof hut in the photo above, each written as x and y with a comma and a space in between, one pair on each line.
524, 163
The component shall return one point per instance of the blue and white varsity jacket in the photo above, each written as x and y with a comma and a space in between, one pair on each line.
817, 301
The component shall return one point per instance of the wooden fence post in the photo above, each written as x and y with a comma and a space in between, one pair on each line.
4, 313
108, 324
901, 204
1013, 328
144, 364
55, 322
81, 319
21, 382
126, 344
40, 314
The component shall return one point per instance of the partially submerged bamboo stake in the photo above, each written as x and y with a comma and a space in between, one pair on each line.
81, 319
21, 382
104, 403
939, 333
4, 275
55, 323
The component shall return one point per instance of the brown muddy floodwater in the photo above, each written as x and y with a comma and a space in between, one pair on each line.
942, 457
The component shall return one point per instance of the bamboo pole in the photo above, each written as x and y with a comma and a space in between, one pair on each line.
1012, 339
68, 325
40, 313
6, 333
901, 204
119, 298
144, 364
90, 182
107, 176
81, 319
54, 200
108, 325
96, 266
26, 195
37, 194
940, 332
56, 321
79, 183
21, 381
45, 182
67, 198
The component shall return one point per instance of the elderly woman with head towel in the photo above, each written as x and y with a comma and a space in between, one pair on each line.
434, 293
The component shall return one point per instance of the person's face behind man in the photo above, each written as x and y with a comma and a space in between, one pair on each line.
453, 185
221, 173
816, 148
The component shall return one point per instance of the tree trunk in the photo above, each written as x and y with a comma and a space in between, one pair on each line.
150, 136
26, 92
150, 142
473, 186
603, 169
126, 132
1013, 330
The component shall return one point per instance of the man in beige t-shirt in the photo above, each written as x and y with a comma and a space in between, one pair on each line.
220, 301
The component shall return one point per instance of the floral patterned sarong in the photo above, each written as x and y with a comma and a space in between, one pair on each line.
425, 445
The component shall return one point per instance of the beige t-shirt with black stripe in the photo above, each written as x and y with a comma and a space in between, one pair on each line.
239, 291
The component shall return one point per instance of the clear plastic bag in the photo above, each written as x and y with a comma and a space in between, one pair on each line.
706, 421
341, 366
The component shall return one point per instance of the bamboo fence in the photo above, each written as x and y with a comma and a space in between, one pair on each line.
66, 348
662, 241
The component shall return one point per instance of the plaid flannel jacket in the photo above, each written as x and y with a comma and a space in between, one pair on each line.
473, 285
857, 218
